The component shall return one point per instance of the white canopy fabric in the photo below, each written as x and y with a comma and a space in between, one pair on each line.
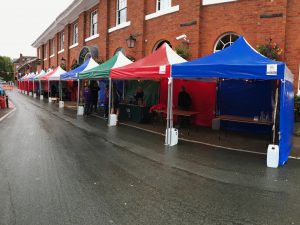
56, 75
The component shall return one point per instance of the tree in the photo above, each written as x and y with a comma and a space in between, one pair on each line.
6, 68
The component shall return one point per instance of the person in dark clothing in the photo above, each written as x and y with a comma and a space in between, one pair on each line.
106, 101
95, 89
116, 97
184, 103
139, 95
53, 91
184, 99
87, 100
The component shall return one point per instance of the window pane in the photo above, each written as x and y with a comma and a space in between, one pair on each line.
225, 41
123, 16
163, 4
122, 4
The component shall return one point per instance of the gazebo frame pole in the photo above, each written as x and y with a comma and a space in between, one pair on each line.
60, 89
40, 86
109, 98
78, 94
48, 89
168, 115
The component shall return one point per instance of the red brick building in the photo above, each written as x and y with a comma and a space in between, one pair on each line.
100, 28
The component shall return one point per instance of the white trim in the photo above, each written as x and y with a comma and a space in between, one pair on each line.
45, 59
51, 56
91, 37
162, 12
120, 26
61, 51
211, 2
73, 46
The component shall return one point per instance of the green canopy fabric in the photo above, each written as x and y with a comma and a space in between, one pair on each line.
37, 77
102, 71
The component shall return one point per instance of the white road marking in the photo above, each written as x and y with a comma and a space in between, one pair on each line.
6, 115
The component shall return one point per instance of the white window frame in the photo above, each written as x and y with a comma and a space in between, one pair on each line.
159, 1
163, 12
211, 2
119, 10
92, 31
75, 34
61, 41
224, 44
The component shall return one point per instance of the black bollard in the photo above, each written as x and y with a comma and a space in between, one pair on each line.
7, 106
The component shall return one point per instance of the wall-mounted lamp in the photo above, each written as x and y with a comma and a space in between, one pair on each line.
63, 61
131, 41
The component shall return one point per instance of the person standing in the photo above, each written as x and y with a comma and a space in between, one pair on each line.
116, 97
139, 96
106, 101
87, 100
184, 103
95, 91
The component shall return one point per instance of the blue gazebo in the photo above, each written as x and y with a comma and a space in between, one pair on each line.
240, 61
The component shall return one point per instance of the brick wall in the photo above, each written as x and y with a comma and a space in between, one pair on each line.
292, 44
257, 20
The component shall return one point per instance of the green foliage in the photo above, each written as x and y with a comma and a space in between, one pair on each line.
6, 68
183, 51
270, 50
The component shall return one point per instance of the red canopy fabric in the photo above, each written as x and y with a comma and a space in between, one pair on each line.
47, 75
154, 66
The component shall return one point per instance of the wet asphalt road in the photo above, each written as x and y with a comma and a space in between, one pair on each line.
58, 169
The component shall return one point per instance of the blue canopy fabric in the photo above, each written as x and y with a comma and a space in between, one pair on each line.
239, 61
73, 74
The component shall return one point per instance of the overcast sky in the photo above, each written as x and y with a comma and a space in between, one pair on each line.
22, 21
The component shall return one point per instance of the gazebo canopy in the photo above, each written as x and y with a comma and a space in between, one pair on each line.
46, 75
56, 75
29, 76
73, 74
37, 77
102, 71
239, 61
154, 66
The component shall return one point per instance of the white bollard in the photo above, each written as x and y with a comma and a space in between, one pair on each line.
34, 95
50, 99
112, 120
171, 138
41, 97
80, 110
26, 93
273, 156
30, 93
61, 104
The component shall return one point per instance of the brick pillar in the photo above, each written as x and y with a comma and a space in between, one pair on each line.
103, 18
67, 42
82, 30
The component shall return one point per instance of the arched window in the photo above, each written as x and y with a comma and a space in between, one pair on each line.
120, 50
225, 41
160, 43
